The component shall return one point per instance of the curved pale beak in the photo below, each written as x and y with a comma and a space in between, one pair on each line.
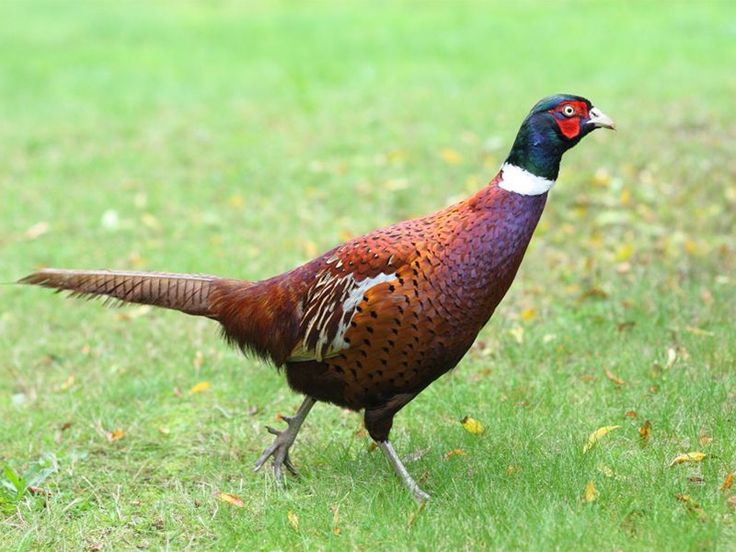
600, 120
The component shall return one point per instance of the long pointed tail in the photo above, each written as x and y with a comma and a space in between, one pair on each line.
183, 292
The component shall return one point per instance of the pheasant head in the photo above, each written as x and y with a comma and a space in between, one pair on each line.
553, 126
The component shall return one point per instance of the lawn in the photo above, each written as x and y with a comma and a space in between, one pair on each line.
243, 139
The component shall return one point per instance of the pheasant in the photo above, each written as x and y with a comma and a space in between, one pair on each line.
371, 323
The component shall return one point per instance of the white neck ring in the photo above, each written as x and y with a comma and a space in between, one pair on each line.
520, 181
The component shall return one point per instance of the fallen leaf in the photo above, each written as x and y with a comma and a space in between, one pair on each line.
450, 156
631, 414
236, 201
115, 435
527, 315
198, 360
293, 520
37, 230
200, 387
231, 499
691, 505
472, 425
517, 332
164, 430
624, 253
645, 431
597, 435
671, 357
310, 248
687, 457
512, 469
67, 384
698, 331
454, 452
591, 493
728, 482
696, 479
704, 439
593, 293
614, 378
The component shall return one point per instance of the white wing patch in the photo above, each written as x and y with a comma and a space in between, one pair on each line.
328, 311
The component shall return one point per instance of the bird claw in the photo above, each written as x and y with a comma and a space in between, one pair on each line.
278, 451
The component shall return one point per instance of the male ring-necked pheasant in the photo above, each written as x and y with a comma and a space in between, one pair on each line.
372, 322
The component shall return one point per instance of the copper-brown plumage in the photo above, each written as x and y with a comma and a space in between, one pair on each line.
371, 323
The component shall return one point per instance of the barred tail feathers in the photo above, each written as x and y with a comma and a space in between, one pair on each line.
187, 293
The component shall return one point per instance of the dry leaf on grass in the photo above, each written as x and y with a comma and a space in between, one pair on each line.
696, 456
614, 378
116, 435
597, 435
293, 520
454, 452
645, 431
591, 493
67, 384
727, 482
201, 386
691, 505
233, 500
472, 425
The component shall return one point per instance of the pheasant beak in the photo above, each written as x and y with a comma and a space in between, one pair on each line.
600, 120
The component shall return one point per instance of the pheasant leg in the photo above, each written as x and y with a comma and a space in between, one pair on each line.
388, 450
279, 449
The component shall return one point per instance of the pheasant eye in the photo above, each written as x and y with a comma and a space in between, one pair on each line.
568, 111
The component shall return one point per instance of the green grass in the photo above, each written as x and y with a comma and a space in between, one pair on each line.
242, 139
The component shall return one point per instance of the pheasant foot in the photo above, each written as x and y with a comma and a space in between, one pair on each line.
279, 449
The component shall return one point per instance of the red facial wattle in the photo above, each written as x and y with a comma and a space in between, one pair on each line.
570, 125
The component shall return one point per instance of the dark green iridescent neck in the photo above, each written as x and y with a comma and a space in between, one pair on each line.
537, 150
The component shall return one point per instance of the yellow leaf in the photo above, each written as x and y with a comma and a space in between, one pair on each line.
293, 520
454, 452
236, 201
597, 435
624, 252
310, 248
116, 435
688, 457
231, 499
472, 425
450, 156
614, 378
625, 196
37, 230
645, 431
198, 360
517, 332
67, 384
727, 483
198, 388
527, 315
591, 493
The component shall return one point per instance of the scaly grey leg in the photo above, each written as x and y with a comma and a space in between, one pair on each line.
419, 495
279, 449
